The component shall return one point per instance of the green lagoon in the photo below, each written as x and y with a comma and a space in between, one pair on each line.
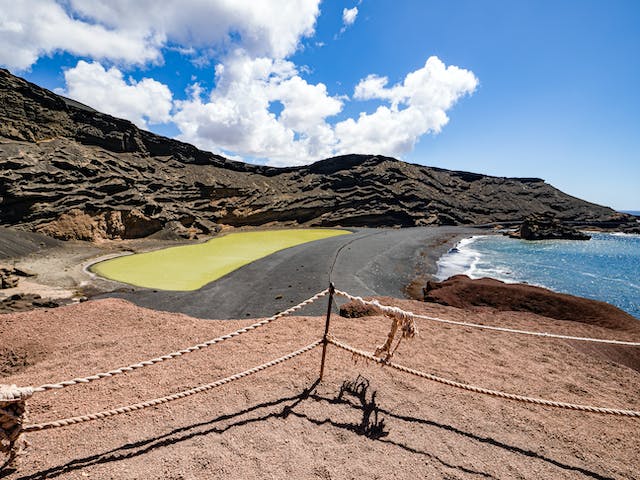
190, 267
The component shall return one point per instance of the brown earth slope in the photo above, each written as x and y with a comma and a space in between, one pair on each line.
94, 176
362, 421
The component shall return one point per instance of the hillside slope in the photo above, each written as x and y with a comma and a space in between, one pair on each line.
72, 172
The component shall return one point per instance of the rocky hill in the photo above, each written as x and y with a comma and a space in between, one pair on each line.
72, 172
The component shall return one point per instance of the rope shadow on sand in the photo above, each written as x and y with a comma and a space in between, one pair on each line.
360, 386
352, 394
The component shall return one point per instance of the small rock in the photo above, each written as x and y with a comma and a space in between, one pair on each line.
24, 272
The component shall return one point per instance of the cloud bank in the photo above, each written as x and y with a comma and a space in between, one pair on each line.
261, 106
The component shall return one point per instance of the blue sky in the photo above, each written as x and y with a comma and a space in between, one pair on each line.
539, 88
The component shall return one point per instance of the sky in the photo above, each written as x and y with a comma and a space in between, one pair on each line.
527, 88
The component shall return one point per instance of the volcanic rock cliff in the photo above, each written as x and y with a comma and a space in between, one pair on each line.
72, 172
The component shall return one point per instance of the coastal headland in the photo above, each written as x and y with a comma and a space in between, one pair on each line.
78, 186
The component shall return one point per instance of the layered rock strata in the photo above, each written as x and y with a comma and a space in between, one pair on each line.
72, 172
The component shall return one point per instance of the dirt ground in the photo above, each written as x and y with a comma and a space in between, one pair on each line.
361, 421
60, 268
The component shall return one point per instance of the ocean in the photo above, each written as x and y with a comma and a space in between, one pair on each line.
606, 268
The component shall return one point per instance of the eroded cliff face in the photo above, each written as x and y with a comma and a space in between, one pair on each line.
72, 172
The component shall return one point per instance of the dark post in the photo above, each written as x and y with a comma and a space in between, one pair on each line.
326, 329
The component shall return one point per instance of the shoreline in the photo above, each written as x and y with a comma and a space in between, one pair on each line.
510, 265
64, 273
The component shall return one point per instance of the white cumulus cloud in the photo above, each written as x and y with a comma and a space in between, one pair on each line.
349, 16
418, 106
30, 29
261, 107
236, 116
135, 32
143, 102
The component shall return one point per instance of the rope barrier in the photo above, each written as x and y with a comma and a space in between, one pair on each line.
170, 398
481, 390
169, 356
399, 311
13, 399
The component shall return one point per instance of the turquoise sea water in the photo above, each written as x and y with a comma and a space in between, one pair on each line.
606, 268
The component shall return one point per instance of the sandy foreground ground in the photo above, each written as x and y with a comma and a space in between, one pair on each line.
362, 421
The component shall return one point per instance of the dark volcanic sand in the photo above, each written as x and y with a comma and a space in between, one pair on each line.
367, 262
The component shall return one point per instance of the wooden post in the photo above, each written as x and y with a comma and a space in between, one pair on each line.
12, 411
326, 329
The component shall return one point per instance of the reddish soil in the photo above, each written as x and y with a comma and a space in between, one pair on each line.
362, 421
462, 292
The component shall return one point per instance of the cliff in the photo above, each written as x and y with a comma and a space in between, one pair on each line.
72, 172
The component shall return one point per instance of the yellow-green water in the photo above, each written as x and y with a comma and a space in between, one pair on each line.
192, 266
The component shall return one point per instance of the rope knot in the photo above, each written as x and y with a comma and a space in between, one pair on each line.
401, 320
13, 393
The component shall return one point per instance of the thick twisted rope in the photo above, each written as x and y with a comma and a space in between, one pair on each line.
170, 398
396, 310
481, 390
169, 356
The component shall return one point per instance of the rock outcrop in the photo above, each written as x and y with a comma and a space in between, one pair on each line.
61, 161
547, 227
20, 302
462, 292
10, 276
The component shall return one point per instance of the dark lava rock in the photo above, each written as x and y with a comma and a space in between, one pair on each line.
546, 227
10, 276
72, 172
357, 310
7, 280
25, 301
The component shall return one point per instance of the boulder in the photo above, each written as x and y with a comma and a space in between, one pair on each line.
10, 276
546, 227
357, 310
137, 224
7, 279
72, 225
